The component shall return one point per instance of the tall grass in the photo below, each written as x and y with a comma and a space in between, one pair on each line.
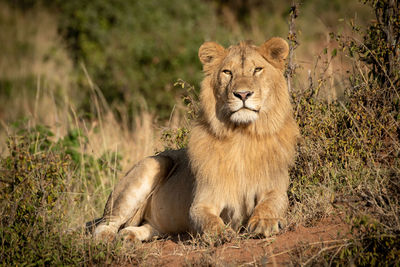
64, 145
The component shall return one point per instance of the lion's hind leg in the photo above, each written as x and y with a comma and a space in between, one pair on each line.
134, 234
131, 194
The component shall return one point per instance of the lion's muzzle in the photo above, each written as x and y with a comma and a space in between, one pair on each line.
243, 95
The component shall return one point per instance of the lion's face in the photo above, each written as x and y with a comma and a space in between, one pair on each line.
242, 78
241, 84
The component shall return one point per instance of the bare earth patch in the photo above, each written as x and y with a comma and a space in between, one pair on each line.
281, 250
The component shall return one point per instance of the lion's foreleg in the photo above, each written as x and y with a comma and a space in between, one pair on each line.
131, 193
268, 214
205, 219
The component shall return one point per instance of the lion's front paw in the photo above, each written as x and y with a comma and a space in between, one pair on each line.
219, 237
213, 227
263, 226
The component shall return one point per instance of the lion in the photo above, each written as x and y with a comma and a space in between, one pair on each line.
234, 171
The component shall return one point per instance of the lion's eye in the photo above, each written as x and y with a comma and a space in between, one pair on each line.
258, 69
227, 72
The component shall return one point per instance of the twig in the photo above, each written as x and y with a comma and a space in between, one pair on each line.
293, 44
322, 250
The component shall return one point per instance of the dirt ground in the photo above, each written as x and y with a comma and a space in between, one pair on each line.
281, 250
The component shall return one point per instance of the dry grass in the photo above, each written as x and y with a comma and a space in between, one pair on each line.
46, 96
330, 177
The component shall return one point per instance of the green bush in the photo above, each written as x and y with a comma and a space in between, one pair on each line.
32, 205
372, 247
352, 147
135, 50
36, 177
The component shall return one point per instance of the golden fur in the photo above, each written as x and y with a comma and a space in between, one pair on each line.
235, 169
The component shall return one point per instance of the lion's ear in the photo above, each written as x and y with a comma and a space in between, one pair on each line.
209, 52
275, 51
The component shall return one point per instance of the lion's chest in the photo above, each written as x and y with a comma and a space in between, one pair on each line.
239, 165
238, 205
234, 175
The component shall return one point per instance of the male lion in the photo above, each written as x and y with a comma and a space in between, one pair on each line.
235, 169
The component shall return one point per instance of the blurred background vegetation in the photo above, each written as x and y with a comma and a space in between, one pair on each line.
134, 51
88, 88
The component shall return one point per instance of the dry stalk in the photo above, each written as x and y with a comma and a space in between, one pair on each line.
293, 44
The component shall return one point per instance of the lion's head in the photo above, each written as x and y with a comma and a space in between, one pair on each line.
244, 85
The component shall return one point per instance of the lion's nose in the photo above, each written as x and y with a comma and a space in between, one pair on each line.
243, 95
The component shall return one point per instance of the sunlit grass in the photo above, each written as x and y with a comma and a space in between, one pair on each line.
346, 160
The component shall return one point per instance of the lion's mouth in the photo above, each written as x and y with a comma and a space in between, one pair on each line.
246, 108
244, 115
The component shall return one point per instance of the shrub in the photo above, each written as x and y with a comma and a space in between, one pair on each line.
35, 180
32, 203
352, 147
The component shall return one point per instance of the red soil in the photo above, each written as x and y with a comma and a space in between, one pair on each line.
275, 251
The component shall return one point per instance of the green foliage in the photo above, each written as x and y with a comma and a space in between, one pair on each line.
178, 138
40, 138
175, 138
41, 173
134, 50
380, 44
358, 133
353, 147
372, 247
35, 179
